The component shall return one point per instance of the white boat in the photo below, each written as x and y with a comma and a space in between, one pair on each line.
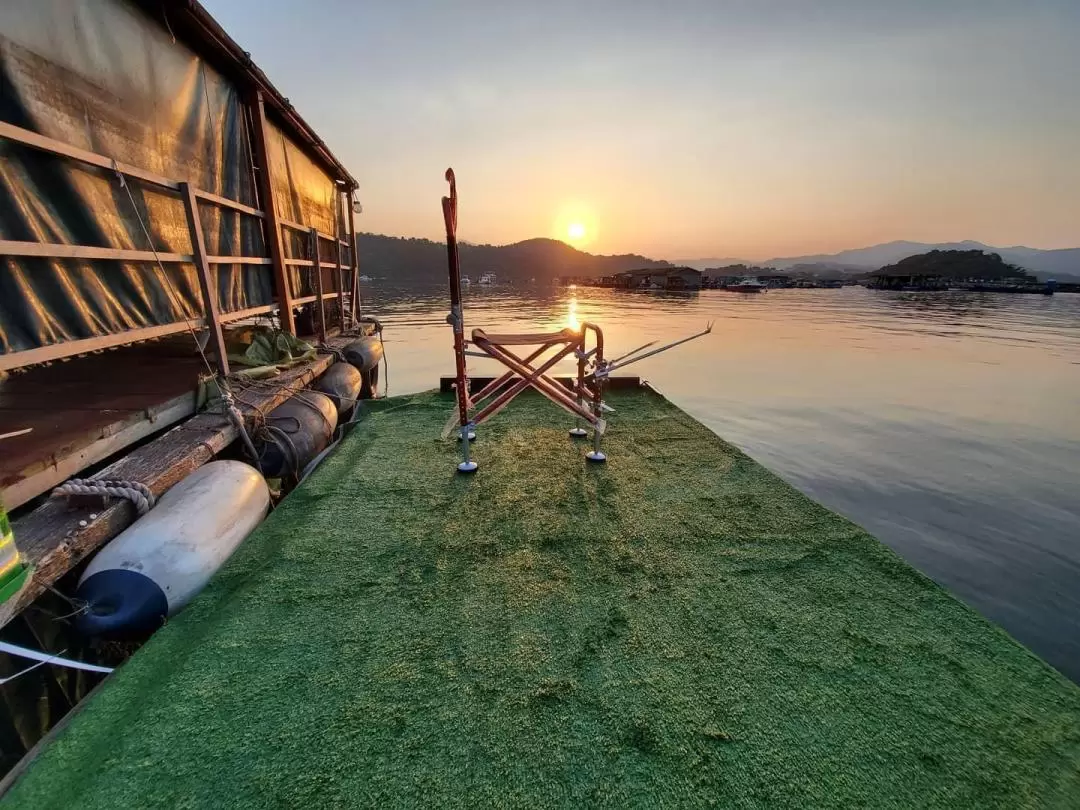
466, 281
747, 285
488, 280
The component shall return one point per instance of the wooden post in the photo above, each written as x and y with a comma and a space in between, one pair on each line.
206, 281
355, 289
316, 265
339, 270
273, 228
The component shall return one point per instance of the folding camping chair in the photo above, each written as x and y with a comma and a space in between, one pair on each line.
583, 398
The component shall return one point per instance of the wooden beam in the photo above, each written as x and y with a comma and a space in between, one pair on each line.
354, 295
313, 239
299, 263
227, 203
307, 299
206, 278
240, 314
239, 260
54, 251
70, 348
339, 274
55, 537
272, 228
45, 144
296, 226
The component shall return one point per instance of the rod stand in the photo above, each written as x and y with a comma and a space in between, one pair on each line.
465, 436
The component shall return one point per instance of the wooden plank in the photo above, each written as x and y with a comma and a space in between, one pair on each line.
240, 314
70, 348
272, 228
307, 299
55, 251
227, 203
206, 278
122, 434
33, 139
51, 538
320, 297
354, 302
299, 263
296, 226
339, 274
239, 260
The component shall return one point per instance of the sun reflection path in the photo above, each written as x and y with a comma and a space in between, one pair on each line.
571, 314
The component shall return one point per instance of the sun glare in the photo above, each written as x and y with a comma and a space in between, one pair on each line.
575, 231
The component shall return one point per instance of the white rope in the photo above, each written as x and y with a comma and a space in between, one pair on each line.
138, 494
45, 658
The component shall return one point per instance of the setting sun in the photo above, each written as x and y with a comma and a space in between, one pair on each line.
575, 232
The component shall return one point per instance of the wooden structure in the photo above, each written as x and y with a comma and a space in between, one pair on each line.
56, 536
87, 412
211, 318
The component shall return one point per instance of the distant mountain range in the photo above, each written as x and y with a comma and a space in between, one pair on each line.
421, 261
1063, 264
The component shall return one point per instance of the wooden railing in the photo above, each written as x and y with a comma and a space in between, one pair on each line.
211, 319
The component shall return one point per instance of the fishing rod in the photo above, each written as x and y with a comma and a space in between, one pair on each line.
605, 370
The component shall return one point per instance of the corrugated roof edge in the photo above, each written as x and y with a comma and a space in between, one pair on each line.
189, 22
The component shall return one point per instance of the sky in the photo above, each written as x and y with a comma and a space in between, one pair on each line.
686, 129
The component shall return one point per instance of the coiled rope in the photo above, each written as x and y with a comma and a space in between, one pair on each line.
139, 494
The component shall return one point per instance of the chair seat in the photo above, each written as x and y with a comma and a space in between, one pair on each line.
533, 339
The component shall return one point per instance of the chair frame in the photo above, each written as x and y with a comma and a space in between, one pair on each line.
583, 398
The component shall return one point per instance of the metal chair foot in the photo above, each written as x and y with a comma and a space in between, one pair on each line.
472, 436
578, 433
596, 456
467, 467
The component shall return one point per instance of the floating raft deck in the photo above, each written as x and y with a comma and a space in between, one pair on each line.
677, 627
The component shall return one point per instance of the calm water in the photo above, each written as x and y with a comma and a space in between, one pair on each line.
948, 424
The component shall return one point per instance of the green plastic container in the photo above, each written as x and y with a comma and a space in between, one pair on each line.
13, 571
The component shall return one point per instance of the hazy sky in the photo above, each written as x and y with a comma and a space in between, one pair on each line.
749, 128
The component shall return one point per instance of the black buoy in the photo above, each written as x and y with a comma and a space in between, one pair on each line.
365, 353
295, 432
342, 382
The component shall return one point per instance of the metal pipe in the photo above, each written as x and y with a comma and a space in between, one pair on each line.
606, 370
456, 317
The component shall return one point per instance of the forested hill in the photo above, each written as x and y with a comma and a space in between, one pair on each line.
957, 264
414, 261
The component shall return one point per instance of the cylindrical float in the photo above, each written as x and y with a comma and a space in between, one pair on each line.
158, 564
295, 432
342, 383
365, 353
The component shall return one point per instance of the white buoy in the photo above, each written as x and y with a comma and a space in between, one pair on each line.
158, 564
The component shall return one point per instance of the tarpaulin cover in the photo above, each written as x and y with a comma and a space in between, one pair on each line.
103, 76
305, 194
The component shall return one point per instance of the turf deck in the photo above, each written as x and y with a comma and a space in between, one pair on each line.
677, 628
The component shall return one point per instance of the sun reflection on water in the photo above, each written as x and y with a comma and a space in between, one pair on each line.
571, 314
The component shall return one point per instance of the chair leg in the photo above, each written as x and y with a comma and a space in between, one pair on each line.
466, 436
596, 454
579, 431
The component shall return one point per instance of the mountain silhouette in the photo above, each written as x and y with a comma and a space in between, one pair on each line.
421, 261
1063, 264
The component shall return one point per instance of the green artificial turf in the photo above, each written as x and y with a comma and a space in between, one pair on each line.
676, 628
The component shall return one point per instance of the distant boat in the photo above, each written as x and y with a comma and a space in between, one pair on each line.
488, 280
466, 281
746, 285
364, 278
